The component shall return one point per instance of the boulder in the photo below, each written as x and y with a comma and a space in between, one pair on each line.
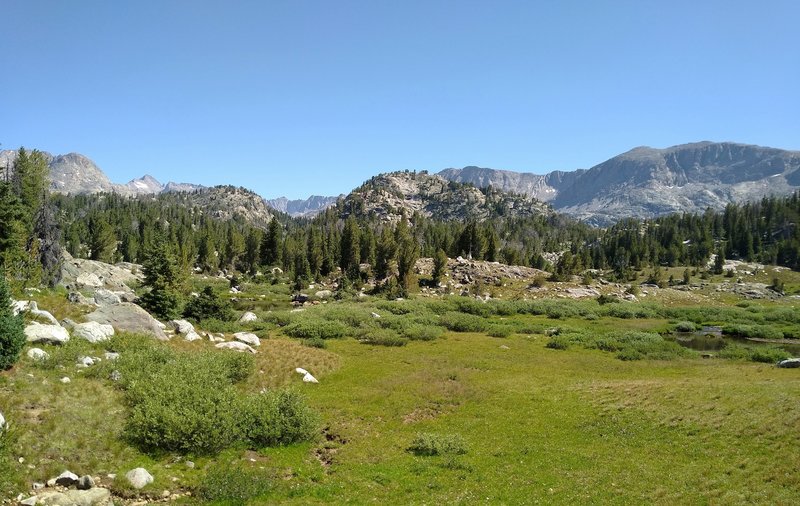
93, 332
65, 380
38, 354
30, 306
128, 317
67, 479
248, 338
139, 477
85, 482
77, 298
789, 363
185, 329
300, 370
86, 361
89, 279
324, 294
308, 378
103, 297
236, 346
91, 497
46, 334
248, 317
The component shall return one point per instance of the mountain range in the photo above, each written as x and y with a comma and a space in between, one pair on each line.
643, 182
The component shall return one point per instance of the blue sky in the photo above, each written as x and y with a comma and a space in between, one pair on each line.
312, 97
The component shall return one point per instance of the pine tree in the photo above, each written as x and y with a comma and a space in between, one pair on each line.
271, 247
350, 248
407, 254
439, 266
12, 328
164, 278
102, 241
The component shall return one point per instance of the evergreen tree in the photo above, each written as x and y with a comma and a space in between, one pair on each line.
164, 278
350, 248
208, 305
407, 254
12, 329
271, 247
439, 266
102, 241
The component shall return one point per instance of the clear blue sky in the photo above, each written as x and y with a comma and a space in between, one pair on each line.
302, 97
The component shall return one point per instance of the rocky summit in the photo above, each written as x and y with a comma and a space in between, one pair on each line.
302, 208
388, 196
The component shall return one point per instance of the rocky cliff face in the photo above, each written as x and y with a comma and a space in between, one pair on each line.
229, 202
305, 208
647, 182
388, 196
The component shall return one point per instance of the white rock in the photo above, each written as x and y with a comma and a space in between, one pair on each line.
65, 380
375, 315
139, 477
236, 346
110, 355
247, 337
67, 479
104, 297
93, 332
30, 501
185, 329
89, 279
38, 354
300, 370
47, 334
308, 378
2, 422
323, 294
85, 361
248, 317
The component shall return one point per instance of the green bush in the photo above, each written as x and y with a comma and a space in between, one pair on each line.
558, 343
208, 305
382, 337
316, 328
768, 354
315, 342
734, 351
280, 318
233, 484
12, 329
417, 332
461, 322
500, 331
685, 327
428, 444
276, 419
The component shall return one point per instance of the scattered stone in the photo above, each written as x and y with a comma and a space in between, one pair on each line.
236, 346
89, 279
115, 375
504, 347
375, 315
248, 338
37, 486
93, 332
112, 356
67, 479
324, 294
308, 378
789, 363
2, 422
38, 354
65, 380
248, 317
165, 494
30, 501
190, 464
46, 334
77, 298
139, 477
185, 329
581, 293
85, 482
128, 317
300, 370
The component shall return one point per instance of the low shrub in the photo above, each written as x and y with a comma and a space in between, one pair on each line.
462, 322
233, 484
315, 342
382, 337
685, 327
276, 418
768, 354
316, 328
500, 331
208, 305
558, 343
429, 444
734, 351
417, 332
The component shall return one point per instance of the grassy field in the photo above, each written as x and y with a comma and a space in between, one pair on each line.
533, 424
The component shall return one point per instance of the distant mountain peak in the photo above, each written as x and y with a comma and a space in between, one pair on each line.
306, 208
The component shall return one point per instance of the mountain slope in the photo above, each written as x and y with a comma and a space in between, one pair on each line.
387, 196
646, 182
305, 208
